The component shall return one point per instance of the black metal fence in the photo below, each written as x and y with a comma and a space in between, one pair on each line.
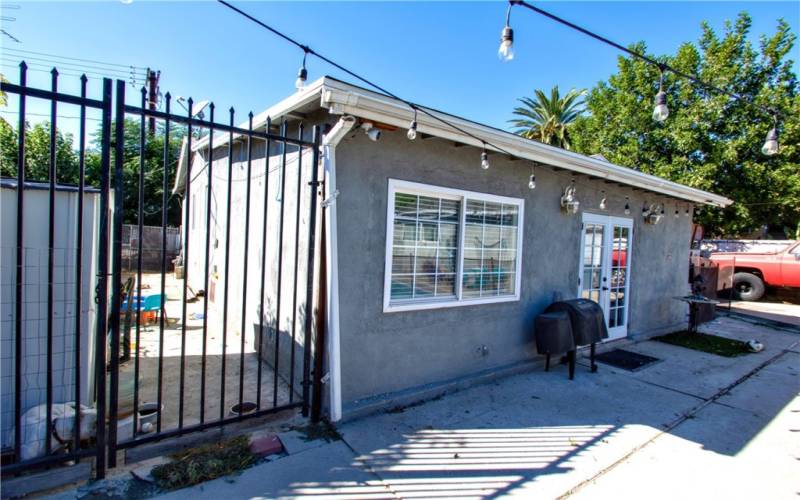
151, 358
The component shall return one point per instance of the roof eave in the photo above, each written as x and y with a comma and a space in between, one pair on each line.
341, 98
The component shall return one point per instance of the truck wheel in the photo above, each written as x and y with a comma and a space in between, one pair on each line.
748, 287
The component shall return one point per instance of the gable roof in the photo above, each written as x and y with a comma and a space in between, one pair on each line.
342, 98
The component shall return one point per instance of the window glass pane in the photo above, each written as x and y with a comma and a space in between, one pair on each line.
445, 285
474, 212
472, 260
450, 211
405, 205
424, 247
448, 235
507, 283
424, 285
447, 261
473, 236
471, 285
427, 234
426, 261
428, 208
508, 237
489, 248
402, 260
405, 233
402, 286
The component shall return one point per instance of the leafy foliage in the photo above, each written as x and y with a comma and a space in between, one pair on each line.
547, 119
709, 141
37, 161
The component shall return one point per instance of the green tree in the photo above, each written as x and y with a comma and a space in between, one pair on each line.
37, 153
547, 119
37, 161
709, 141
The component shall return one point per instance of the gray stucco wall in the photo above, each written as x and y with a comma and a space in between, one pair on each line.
386, 352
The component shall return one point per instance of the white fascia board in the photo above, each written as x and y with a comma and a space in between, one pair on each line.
340, 98
299, 99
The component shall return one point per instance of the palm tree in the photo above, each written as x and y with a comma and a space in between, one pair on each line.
546, 119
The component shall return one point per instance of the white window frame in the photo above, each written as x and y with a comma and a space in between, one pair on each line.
396, 185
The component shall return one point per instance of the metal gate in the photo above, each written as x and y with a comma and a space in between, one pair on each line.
224, 333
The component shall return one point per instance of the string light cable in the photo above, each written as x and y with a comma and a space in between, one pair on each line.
308, 50
659, 113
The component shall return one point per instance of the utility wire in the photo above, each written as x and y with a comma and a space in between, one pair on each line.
308, 50
126, 66
78, 67
662, 66
66, 71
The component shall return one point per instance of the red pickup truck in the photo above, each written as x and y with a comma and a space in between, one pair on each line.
757, 264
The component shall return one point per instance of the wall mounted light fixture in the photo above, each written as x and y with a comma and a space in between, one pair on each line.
569, 202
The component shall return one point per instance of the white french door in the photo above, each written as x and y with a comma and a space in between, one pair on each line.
605, 268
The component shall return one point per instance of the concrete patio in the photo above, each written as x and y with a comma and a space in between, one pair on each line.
693, 424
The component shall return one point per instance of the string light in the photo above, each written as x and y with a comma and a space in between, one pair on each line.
602, 205
532, 180
627, 206
661, 111
770, 146
412, 128
506, 50
484, 159
302, 75
687, 212
677, 213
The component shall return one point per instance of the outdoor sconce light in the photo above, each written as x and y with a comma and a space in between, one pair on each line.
653, 214
568, 202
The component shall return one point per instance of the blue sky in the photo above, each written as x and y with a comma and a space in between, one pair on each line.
441, 54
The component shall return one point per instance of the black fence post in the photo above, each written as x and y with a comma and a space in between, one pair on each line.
101, 295
312, 229
20, 265
116, 282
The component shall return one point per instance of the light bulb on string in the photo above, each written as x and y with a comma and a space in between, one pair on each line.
485, 160
412, 128
506, 50
602, 205
532, 180
302, 75
770, 147
687, 212
661, 111
627, 206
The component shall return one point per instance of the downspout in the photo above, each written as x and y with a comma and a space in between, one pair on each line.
329, 143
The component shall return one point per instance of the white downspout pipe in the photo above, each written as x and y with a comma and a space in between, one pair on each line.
329, 142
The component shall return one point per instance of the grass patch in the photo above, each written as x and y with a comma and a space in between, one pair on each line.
711, 344
204, 463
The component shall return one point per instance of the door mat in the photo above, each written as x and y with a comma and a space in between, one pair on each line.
626, 360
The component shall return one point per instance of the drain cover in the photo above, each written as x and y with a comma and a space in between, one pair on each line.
627, 360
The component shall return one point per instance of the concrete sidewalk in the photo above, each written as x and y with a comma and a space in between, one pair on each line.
693, 424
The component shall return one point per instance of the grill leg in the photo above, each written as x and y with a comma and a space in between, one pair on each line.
571, 357
591, 358
547, 362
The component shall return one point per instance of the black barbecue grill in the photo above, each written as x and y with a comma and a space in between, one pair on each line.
582, 318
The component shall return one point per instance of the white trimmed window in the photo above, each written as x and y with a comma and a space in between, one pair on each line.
447, 247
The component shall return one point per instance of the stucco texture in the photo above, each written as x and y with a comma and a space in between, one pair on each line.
386, 352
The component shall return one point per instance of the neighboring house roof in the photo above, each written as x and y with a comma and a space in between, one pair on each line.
342, 98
